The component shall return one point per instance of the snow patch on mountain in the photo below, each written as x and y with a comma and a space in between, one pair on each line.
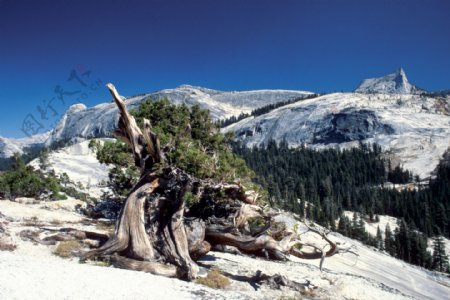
394, 83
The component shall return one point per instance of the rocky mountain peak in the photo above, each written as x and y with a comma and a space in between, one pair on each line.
400, 72
394, 83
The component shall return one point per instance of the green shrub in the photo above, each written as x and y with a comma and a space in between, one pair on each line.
65, 249
214, 280
25, 181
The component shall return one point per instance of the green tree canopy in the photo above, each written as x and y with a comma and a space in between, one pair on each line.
191, 140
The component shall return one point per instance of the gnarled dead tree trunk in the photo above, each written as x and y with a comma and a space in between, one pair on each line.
150, 234
153, 234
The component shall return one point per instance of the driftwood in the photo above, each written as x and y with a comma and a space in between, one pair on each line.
155, 232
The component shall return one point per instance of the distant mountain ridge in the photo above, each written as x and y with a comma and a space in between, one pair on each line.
80, 122
9, 146
410, 123
414, 129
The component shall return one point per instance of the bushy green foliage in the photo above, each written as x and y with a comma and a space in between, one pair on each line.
117, 153
200, 150
405, 244
193, 140
123, 175
123, 179
25, 181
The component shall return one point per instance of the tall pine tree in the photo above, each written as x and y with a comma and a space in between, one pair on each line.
440, 258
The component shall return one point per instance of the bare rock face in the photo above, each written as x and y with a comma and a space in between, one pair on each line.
352, 125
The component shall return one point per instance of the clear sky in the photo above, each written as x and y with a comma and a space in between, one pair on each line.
142, 46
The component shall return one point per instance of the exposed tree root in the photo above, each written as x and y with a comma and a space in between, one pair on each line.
145, 266
258, 245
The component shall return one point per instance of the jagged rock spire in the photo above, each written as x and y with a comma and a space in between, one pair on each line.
394, 83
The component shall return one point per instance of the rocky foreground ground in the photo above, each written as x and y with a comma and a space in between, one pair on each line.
32, 270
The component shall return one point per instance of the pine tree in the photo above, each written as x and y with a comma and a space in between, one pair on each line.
389, 240
440, 258
379, 239
44, 162
17, 162
403, 241
361, 229
355, 220
343, 225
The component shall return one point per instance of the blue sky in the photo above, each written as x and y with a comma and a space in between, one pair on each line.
141, 46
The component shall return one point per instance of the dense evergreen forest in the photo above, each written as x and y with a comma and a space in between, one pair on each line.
322, 184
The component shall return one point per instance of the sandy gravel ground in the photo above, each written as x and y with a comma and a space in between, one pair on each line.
33, 272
